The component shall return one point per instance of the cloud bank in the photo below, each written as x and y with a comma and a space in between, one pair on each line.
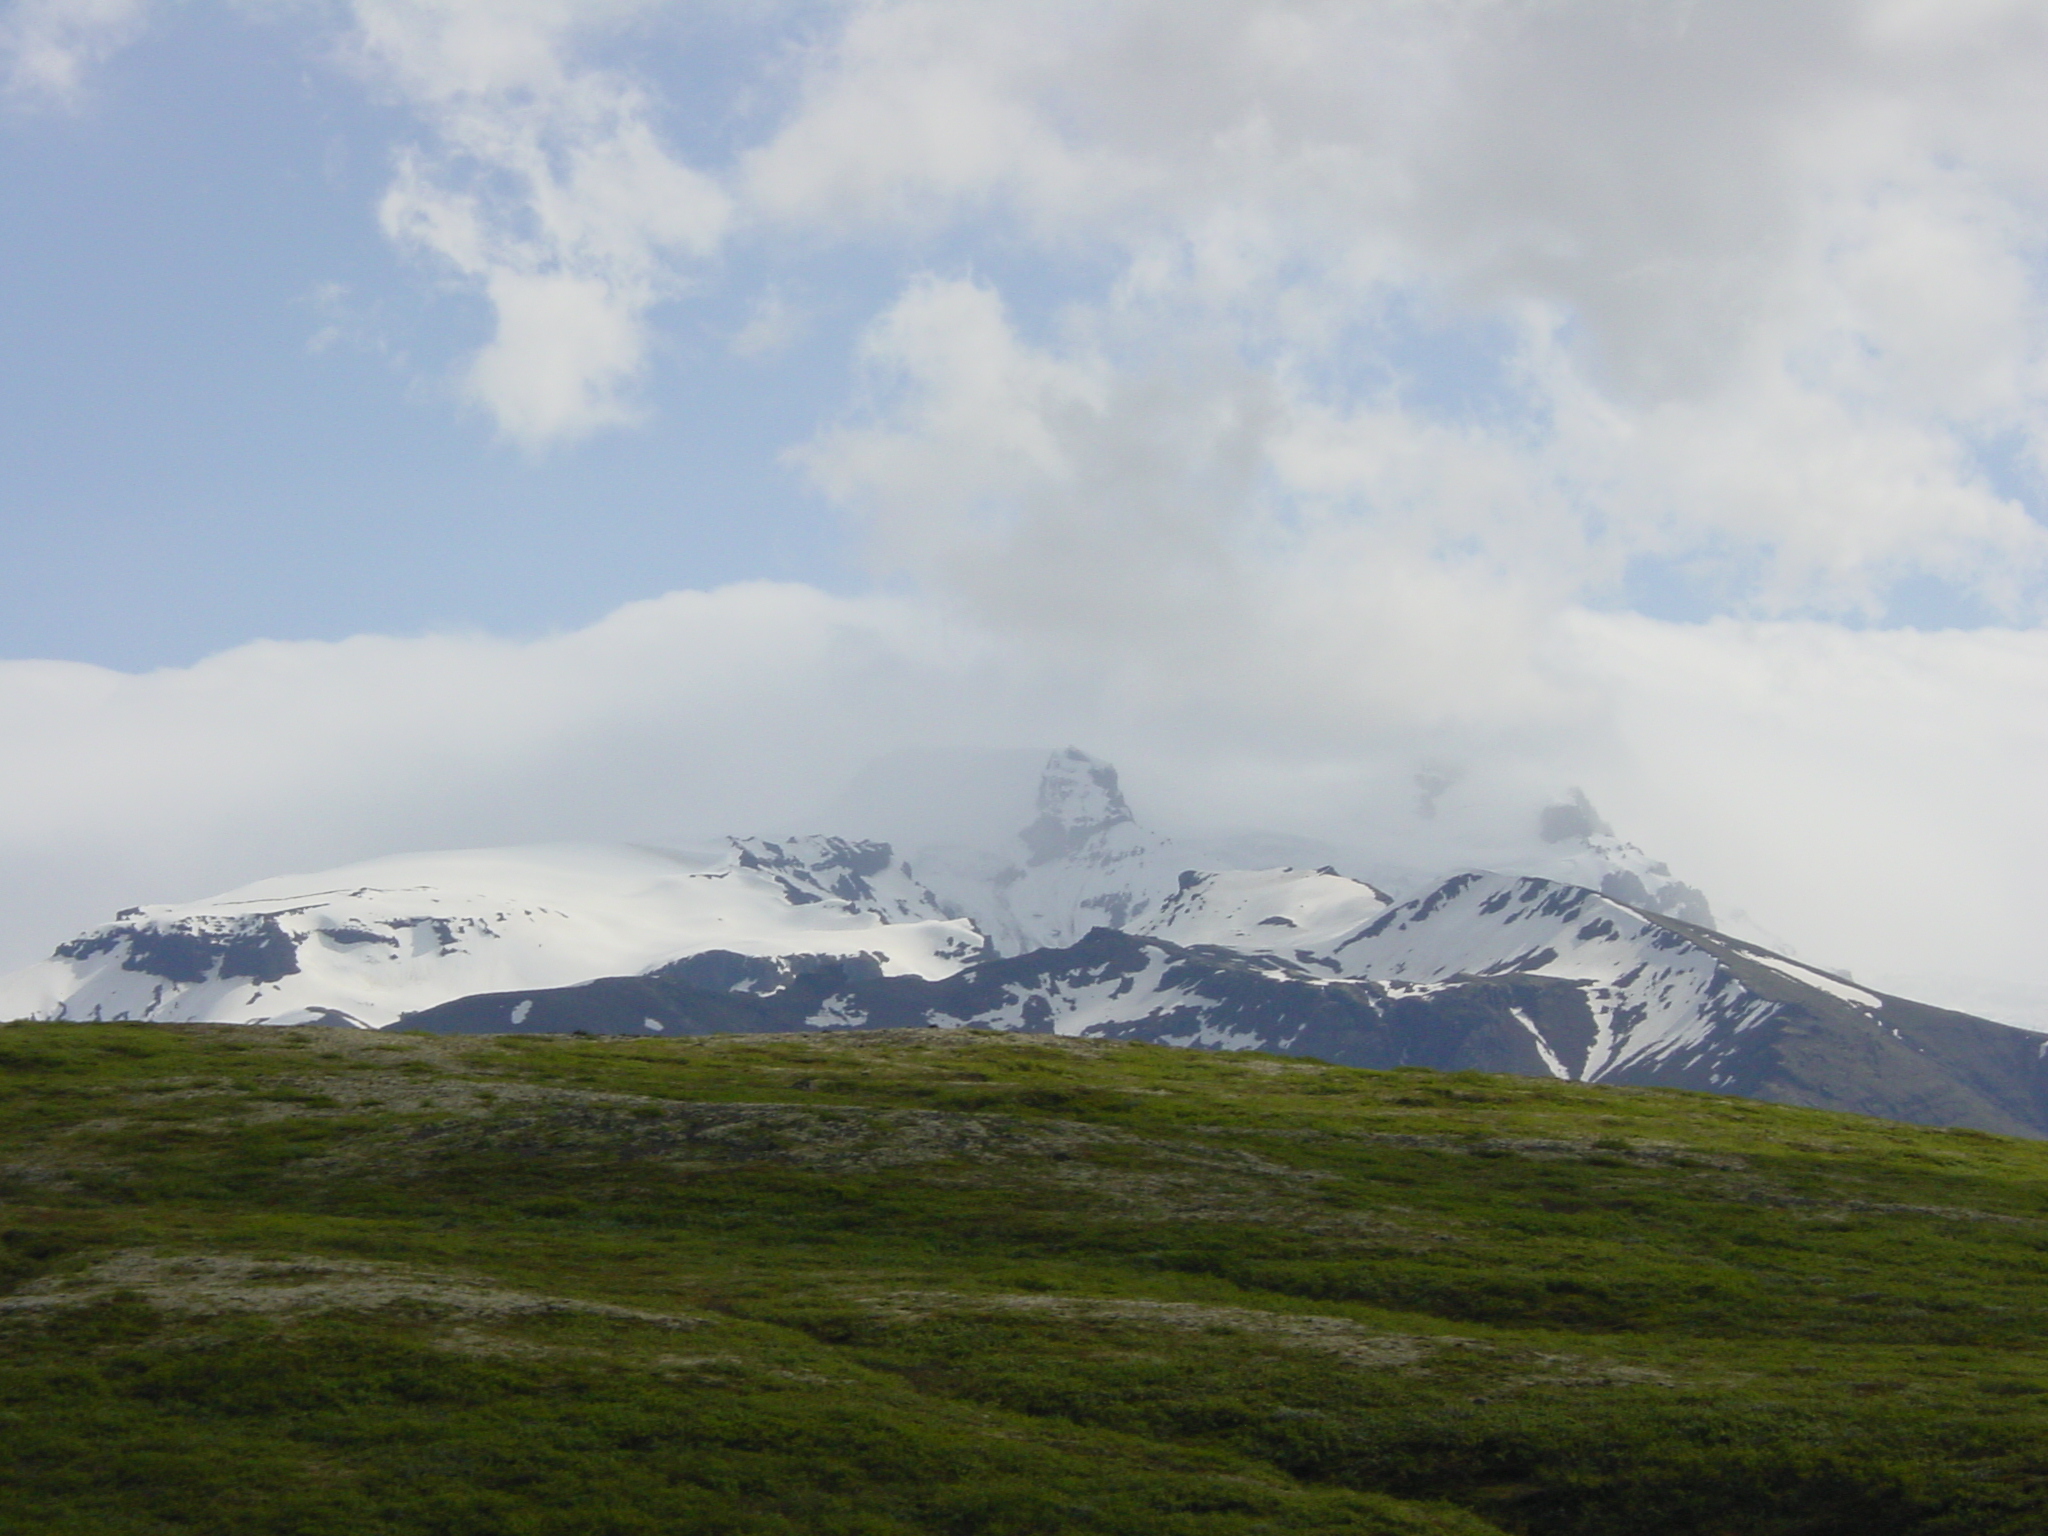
1752, 289
1867, 799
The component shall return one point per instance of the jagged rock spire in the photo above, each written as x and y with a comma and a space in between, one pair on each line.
1078, 799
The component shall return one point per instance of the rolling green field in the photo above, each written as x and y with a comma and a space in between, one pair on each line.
310, 1281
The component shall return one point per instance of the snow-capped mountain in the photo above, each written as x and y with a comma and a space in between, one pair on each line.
1084, 862
1494, 973
368, 942
1596, 966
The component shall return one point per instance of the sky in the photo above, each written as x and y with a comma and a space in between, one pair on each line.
452, 422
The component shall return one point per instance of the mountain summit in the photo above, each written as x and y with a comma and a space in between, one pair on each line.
1584, 849
1078, 800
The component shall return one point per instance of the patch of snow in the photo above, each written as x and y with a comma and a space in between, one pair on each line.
1557, 1068
1820, 981
836, 1014
1211, 1037
1264, 911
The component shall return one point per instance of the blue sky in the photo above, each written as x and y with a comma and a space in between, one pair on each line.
625, 418
231, 406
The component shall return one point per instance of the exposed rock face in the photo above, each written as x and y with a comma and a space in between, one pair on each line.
1078, 801
194, 949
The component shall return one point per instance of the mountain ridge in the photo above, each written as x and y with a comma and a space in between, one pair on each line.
1082, 922
1769, 1035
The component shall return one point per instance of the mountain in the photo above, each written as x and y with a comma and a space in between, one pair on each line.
1494, 973
1082, 862
1082, 922
368, 942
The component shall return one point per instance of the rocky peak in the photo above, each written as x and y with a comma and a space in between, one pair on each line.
1571, 820
1594, 856
1078, 800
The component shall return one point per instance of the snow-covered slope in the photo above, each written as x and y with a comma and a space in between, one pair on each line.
1251, 959
1264, 911
1650, 990
373, 941
368, 942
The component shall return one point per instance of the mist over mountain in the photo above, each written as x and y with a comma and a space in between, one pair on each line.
1040, 902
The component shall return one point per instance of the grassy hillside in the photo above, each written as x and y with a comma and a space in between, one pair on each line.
308, 1281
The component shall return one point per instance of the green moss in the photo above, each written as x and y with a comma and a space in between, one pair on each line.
310, 1281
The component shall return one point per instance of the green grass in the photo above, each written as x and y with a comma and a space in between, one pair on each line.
314, 1281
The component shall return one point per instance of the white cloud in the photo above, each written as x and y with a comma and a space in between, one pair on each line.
1278, 608
1759, 281
1763, 278
689, 715
772, 327
47, 47
546, 187
1866, 796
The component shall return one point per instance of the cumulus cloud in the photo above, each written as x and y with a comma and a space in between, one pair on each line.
546, 187
1759, 281
1192, 554
1143, 529
1753, 290
47, 47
